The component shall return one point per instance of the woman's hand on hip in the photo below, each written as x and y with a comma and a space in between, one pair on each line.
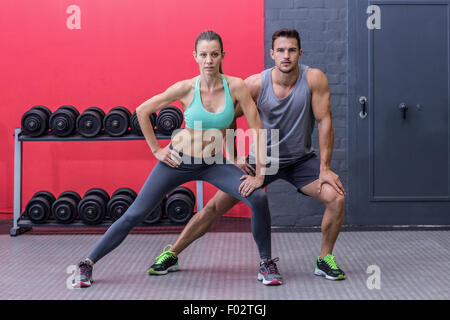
168, 156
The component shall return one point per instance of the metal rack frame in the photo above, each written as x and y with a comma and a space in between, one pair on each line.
21, 227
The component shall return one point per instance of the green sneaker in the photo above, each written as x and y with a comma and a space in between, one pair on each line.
164, 263
328, 268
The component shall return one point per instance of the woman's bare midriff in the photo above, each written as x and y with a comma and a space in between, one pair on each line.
198, 143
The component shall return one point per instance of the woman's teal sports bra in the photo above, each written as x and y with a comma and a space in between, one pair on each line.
209, 120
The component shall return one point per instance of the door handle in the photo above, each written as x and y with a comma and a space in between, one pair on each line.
363, 112
403, 108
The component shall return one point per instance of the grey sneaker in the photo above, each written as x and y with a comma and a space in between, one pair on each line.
268, 273
84, 280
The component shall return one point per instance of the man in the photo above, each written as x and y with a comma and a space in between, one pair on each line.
290, 97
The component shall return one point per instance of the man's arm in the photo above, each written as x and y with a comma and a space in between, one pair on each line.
320, 103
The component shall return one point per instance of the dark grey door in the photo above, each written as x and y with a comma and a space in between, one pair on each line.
399, 161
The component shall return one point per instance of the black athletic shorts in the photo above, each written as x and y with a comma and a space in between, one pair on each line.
299, 173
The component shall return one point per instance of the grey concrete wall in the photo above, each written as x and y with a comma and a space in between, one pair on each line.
322, 25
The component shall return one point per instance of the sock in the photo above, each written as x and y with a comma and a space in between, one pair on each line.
91, 263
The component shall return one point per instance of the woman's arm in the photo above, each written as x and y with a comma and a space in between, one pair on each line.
254, 122
158, 102
230, 146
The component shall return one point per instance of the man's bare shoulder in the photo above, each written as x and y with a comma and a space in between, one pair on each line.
317, 80
254, 85
238, 82
254, 80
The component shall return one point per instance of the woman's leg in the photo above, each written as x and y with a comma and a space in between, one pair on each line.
161, 180
226, 177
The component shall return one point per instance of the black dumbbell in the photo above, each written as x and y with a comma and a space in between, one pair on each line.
134, 123
156, 214
120, 201
39, 207
169, 119
117, 121
63, 121
90, 122
127, 191
65, 208
92, 208
35, 122
180, 204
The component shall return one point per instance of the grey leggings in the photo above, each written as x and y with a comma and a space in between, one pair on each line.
163, 179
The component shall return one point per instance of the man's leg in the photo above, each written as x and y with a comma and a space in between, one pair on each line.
200, 223
333, 216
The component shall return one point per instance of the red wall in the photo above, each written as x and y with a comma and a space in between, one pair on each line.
125, 52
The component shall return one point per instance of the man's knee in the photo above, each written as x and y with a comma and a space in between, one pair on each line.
220, 204
212, 209
332, 199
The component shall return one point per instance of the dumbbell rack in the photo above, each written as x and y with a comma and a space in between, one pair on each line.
22, 225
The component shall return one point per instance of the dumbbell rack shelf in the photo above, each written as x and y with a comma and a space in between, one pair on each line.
27, 224
21, 225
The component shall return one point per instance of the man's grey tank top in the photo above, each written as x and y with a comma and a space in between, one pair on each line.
292, 116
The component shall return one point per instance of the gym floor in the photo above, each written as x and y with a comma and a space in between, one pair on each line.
222, 265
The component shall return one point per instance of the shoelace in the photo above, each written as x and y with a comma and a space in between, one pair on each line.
329, 259
164, 255
271, 266
84, 267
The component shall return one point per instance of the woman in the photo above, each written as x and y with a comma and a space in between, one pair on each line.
208, 99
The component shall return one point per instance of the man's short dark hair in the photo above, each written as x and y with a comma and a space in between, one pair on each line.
287, 33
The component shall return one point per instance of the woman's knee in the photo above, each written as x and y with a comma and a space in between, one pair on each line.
258, 199
135, 214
